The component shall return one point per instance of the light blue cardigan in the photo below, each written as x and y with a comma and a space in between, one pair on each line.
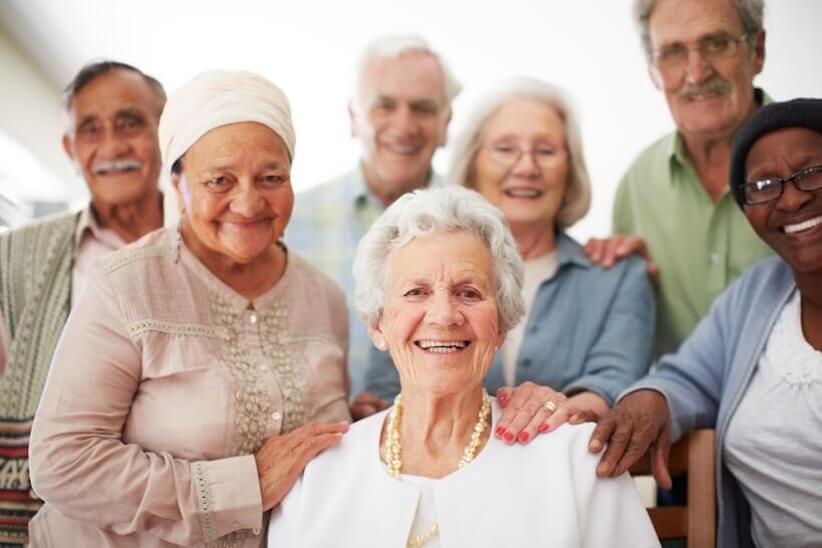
704, 381
589, 328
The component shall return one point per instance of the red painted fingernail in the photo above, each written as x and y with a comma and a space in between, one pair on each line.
544, 427
502, 398
500, 430
523, 437
509, 436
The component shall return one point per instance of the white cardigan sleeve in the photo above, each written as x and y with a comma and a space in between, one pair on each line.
282, 528
609, 510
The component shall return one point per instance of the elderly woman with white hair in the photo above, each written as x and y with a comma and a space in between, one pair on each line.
175, 408
588, 330
438, 282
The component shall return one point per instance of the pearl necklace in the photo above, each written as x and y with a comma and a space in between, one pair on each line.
393, 453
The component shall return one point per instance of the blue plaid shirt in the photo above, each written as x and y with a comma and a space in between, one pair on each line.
325, 228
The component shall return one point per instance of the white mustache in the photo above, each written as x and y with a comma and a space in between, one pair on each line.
716, 85
116, 165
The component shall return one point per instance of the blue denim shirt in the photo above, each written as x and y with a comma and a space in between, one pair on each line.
588, 329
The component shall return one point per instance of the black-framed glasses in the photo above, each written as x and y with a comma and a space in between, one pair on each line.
769, 189
672, 60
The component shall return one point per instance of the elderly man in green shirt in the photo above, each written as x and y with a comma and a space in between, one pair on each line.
673, 206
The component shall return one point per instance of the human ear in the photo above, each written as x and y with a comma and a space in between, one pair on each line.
377, 337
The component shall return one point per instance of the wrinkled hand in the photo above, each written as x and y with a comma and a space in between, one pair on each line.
524, 414
281, 459
638, 423
606, 252
367, 403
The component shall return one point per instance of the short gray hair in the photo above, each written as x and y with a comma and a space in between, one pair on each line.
578, 194
750, 14
390, 46
425, 212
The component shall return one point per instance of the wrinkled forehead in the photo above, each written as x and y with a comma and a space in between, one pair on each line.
682, 21
114, 93
411, 76
795, 147
446, 257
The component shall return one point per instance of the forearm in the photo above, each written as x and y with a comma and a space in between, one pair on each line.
128, 490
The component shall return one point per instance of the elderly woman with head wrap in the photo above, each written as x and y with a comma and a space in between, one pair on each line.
439, 283
176, 407
588, 330
752, 369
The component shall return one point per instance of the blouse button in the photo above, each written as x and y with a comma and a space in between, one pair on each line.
276, 415
252, 318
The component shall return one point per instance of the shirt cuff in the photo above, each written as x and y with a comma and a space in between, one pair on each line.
228, 496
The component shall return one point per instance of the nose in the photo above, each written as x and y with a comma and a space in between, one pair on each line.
698, 68
247, 200
403, 120
113, 145
525, 165
792, 198
443, 312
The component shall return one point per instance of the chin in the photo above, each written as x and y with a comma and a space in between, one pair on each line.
119, 192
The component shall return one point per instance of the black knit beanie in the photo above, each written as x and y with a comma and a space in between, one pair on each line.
806, 113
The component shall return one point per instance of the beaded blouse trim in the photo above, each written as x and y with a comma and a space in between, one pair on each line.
204, 501
172, 328
252, 402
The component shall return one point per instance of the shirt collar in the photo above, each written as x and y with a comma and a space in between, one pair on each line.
356, 189
89, 227
569, 252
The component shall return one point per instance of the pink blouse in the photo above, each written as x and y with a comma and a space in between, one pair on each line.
164, 384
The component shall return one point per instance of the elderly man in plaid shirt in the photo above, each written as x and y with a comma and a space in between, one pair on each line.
400, 113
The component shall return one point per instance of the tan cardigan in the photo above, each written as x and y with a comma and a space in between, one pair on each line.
164, 384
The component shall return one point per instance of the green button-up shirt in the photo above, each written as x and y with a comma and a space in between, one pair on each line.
699, 246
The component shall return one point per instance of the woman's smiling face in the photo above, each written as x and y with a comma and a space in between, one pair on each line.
440, 319
792, 224
522, 165
236, 190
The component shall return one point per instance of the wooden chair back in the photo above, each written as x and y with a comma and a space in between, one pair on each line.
694, 457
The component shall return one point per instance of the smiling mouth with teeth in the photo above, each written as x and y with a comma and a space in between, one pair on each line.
523, 192
804, 225
442, 347
123, 166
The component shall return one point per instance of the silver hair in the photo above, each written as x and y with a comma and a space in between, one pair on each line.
390, 46
577, 198
424, 212
751, 14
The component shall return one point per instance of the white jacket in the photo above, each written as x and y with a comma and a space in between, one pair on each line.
542, 494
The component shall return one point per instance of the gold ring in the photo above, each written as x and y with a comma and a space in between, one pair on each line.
550, 406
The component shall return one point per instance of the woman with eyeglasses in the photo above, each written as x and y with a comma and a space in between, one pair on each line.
588, 331
752, 369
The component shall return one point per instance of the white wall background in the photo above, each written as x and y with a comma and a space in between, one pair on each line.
308, 47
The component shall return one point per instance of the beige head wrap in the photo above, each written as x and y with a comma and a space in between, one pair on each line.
213, 99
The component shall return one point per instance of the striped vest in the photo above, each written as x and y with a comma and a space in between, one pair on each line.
35, 293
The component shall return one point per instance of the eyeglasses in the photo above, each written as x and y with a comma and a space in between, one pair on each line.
672, 60
769, 189
508, 154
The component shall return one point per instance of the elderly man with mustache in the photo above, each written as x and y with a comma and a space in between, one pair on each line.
673, 205
113, 110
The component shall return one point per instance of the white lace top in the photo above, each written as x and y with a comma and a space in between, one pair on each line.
774, 441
